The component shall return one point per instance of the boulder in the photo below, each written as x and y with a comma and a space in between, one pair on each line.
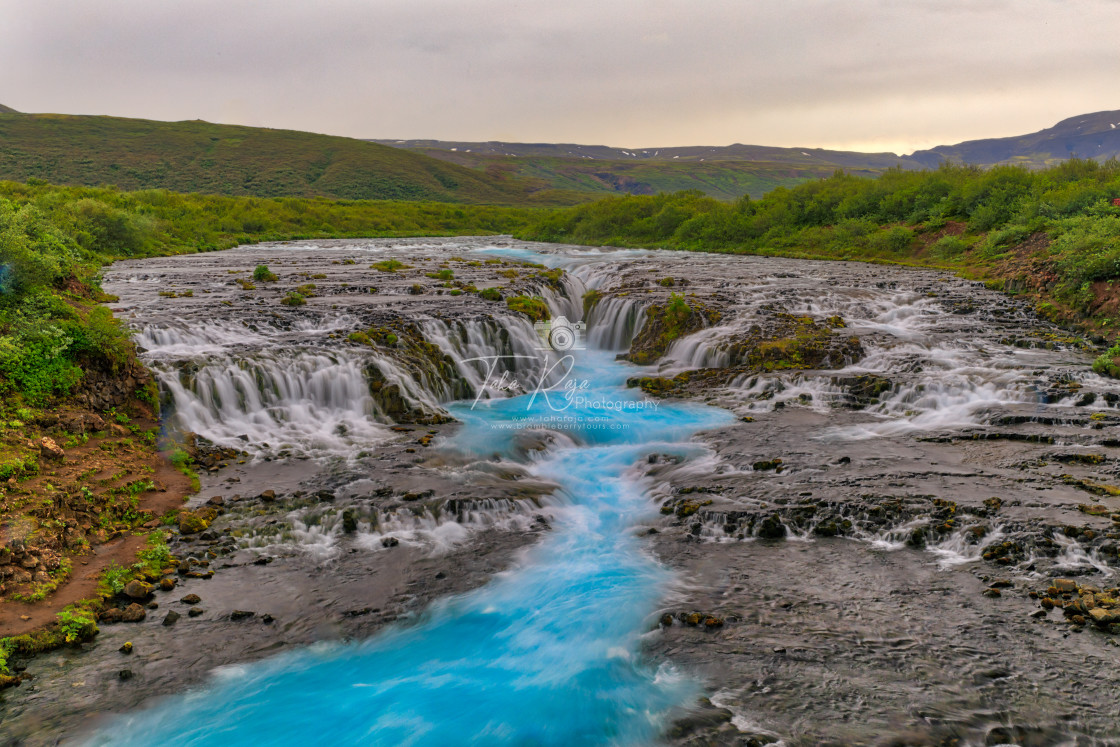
191, 599
1065, 585
191, 523
133, 613
1103, 617
137, 589
167, 583
51, 450
171, 618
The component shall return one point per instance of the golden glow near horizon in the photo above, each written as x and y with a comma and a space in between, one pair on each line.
879, 75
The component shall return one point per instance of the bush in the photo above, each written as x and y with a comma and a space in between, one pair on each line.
293, 299
533, 307
490, 294
948, 247
76, 624
264, 275
388, 265
895, 240
1109, 363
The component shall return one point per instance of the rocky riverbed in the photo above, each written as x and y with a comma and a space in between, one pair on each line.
908, 535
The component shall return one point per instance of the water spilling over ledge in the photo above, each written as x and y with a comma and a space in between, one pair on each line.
897, 458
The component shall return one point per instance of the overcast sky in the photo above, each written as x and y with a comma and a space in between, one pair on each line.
853, 74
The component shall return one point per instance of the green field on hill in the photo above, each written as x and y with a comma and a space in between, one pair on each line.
198, 156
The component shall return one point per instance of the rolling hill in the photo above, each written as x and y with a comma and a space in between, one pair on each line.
7, 110
197, 156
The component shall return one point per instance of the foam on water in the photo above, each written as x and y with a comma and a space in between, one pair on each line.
546, 654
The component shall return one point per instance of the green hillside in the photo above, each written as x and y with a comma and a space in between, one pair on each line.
198, 156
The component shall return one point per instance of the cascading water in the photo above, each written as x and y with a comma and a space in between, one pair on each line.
554, 651
546, 654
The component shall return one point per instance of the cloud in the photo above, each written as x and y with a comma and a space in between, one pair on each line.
629, 72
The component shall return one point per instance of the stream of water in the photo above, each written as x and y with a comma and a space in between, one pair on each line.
957, 395
546, 654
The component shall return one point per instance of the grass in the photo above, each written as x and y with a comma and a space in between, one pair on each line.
1053, 234
196, 156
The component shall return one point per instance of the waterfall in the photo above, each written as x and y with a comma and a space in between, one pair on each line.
308, 403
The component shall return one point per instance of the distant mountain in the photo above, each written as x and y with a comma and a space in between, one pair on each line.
1095, 136
733, 170
726, 172
7, 110
197, 156
736, 152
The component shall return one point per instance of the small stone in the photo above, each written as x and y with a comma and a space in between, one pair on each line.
1103, 617
137, 589
1001, 583
166, 583
241, 615
389, 541
133, 613
666, 620
267, 619
191, 599
126, 648
195, 611
1065, 585
125, 674
152, 605
268, 496
171, 618
711, 622
217, 500
992, 592
50, 449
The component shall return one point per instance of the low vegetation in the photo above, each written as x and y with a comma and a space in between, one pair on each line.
1053, 233
196, 156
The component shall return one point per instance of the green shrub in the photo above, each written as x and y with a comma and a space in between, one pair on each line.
441, 275
293, 299
388, 265
76, 624
1108, 364
533, 307
490, 294
896, 240
262, 274
948, 247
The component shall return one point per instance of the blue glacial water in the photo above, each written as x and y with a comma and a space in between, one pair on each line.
545, 654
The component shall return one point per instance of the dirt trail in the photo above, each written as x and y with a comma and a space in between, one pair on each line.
17, 618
